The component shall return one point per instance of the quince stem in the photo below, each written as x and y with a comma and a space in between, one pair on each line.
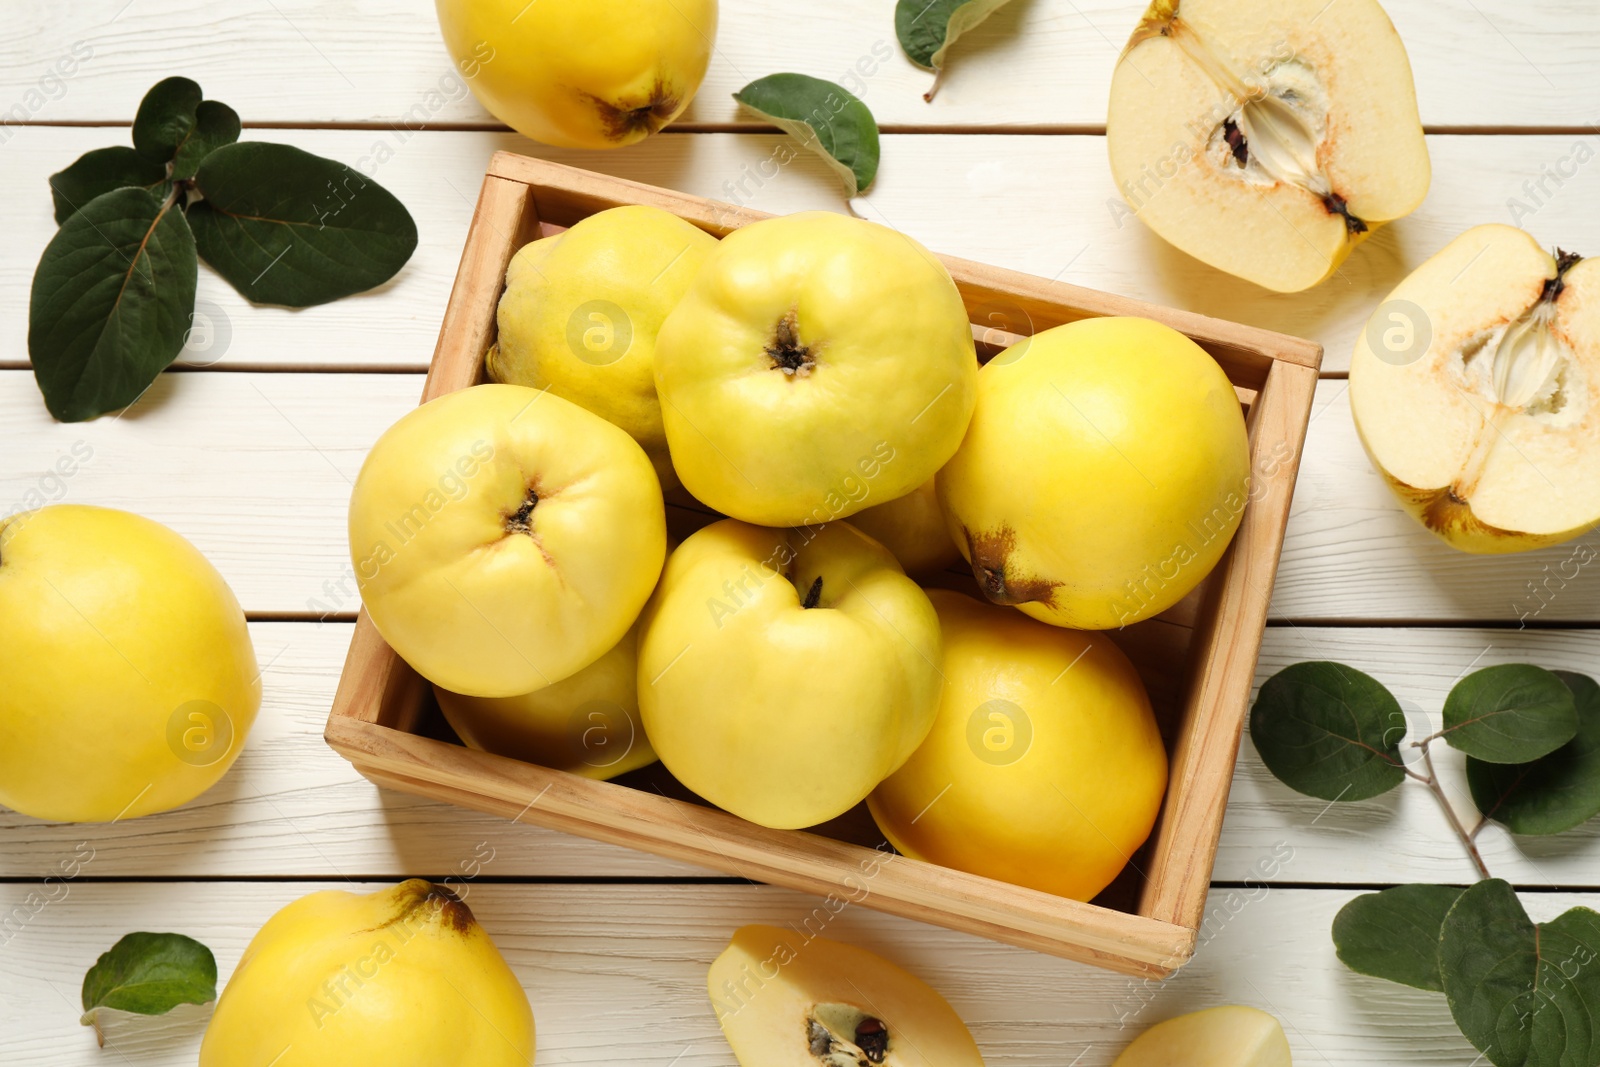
1431, 780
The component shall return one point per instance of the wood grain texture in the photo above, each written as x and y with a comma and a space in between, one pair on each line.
1402, 835
379, 706
617, 974
256, 469
1044, 206
835, 871
1222, 658
1476, 63
294, 808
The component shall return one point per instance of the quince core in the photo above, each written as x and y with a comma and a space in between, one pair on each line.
1267, 137
791, 999
1476, 392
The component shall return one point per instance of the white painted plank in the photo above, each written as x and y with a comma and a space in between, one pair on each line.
616, 974
1476, 62
1401, 836
256, 469
1039, 204
1351, 553
292, 807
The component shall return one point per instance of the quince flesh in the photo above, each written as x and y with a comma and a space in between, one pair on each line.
1230, 1036
787, 999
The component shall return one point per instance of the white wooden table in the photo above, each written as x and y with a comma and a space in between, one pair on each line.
251, 449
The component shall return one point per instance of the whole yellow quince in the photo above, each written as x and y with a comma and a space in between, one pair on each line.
504, 538
819, 364
1044, 767
127, 677
913, 528
403, 977
587, 724
581, 310
1103, 475
784, 673
582, 73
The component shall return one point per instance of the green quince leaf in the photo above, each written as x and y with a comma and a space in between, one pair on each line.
287, 227
824, 117
112, 297
927, 28
166, 117
1525, 995
149, 974
1514, 713
101, 171
215, 124
1552, 794
1395, 934
1329, 731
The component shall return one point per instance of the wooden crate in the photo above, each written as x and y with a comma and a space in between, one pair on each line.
1198, 658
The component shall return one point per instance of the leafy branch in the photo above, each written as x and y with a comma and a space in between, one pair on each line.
1431, 780
113, 295
1532, 741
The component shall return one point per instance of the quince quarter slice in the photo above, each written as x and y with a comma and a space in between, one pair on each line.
1476, 392
791, 999
1267, 137
1229, 1036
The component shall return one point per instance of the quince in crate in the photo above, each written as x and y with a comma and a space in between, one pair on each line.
1044, 767
784, 673
581, 311
913, 528
1105, 472
504, 538
587, 724
819, 364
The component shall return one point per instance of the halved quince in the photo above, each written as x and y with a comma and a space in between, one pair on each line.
1267, 137
788, 999
1476, 391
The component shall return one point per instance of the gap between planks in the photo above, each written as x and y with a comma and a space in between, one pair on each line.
1044, 129
1544, 888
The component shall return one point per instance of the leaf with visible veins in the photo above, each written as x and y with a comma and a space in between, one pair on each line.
1329, 731
111, 302
1556, 792
1525, 995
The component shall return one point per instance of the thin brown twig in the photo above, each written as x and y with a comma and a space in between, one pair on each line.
1467, 839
